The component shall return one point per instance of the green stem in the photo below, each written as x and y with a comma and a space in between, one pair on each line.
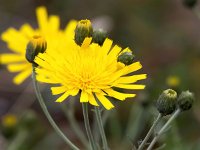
150, 132
163, 129
45, 110
18, 140
101, 128
87, 126
104, 119
69, 113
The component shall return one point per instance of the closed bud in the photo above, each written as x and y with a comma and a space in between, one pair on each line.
83, 29
185, 100
189, 3
126, 58
166, 103
35, 46
99, 36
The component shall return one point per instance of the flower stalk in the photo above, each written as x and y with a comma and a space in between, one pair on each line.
150, 131
101, 128
87, 126
69, 113
163, 129
46, 112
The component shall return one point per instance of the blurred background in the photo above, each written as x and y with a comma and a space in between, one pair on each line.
164, 36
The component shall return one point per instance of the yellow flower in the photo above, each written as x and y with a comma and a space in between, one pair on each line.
18, 39
90, 69
9, 120
173, 81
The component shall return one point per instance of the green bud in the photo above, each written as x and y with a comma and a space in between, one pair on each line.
35, 46
99, 36
126, 58
83, 29
189, 3
166, 103
185, 100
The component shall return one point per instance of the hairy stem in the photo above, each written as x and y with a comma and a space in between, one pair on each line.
150, 132
87, 126
101, 128
46, 112
163, 129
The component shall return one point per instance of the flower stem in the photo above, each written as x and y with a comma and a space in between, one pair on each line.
162, 130
45, 110
101, 128
87, 126
150, 132
95, 124
69, 113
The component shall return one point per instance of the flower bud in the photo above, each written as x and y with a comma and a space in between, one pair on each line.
35, 46
126, 58
83, 29
189, 3
99, 36
166, 103
185, 100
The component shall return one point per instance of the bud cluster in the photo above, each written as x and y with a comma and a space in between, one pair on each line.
84, 29
168, 101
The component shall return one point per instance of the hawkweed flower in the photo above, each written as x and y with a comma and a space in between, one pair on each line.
48, 27
9, 125
90, 69
173, 81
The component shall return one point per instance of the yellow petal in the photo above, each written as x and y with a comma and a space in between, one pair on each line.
126, 50
130, 86
54, 23
131, 79
115, 51
11, 58
18, 67
106, 46
28, 31
73, 92
104, 101
69, 30
46, 80
22, 76
42, 63
42, 18
86, 42
62, 97
58, 90
84, 97
118, 95
16, 40
131, 68
92, 100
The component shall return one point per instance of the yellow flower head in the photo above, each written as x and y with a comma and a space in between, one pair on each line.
173, 81
48, 27
90, 69
9, 120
